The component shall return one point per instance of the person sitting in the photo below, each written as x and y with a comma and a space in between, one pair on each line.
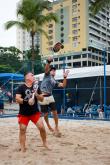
100, 111
70, 111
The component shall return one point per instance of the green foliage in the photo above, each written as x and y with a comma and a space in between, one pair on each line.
32, 18
9, 58
98, 5
6, 69
38, 65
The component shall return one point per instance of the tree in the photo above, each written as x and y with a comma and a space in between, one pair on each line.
9, 59
38, 68
32, 19
6, 69
98, 5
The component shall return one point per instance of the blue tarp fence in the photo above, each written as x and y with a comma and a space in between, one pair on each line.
11, 76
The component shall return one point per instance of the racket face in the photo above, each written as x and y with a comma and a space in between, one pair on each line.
35, 85
57, 47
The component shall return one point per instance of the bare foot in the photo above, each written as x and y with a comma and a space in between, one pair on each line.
22, 149
46, 146
51, 129
57, 133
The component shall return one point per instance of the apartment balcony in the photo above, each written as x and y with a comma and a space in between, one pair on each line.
101, 23
95, 26
94, 32
100, 28
98, 23
93, 42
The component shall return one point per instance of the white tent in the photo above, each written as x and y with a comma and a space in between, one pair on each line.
80, 72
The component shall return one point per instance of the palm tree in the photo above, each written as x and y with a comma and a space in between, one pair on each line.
32, 19
98, 5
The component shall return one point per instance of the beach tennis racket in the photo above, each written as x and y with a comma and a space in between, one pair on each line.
57, 47
35, 88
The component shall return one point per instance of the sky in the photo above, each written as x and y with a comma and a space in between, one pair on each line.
7, 13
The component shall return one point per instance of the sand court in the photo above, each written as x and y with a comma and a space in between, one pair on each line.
82, 143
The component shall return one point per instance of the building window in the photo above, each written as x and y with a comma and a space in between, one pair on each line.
77, 64
75, 25
62, 16
75, 32
76, 56
84, 63
93, 63
62, 41
75, 44
75, 19
93, 57
69, 64
61, 58
61, 10
62, 34
50, 25
62, 28
69, 58
50, 31
62, 22
50, 37
56, 66
61, 66
96, 57
100, 59
89, 63
89, 55
55, 59
74, 8
75, 38
84, 55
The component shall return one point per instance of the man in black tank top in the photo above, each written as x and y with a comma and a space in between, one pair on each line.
28, 103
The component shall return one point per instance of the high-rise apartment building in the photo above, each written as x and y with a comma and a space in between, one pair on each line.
24, 40
83, 35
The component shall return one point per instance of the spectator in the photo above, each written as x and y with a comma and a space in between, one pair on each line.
101, 112
10, 97
1, 103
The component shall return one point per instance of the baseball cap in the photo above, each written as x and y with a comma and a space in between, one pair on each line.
52, 68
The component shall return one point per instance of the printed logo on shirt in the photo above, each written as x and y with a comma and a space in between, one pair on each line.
28, 94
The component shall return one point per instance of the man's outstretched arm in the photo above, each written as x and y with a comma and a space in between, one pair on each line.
64, 83
47, 66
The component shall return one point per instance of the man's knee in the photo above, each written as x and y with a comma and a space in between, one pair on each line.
40, 125
22, 129
41, 128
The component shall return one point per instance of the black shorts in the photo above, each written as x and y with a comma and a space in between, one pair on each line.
48, 108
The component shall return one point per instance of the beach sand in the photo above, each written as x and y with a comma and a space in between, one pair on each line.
82, 143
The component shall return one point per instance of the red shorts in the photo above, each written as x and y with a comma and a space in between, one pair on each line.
25, 119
